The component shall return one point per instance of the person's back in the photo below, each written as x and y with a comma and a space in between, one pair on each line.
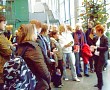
33, 56
17, 74
39, 27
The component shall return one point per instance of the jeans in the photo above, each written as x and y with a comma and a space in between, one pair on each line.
85, 68
77, 63
71, 58
106, 58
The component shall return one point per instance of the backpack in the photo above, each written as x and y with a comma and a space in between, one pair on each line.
17, 75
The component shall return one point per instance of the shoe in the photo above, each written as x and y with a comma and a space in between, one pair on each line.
99, 88
79, 75
104, 69
58, 86
92, 71
96, 85
62, 84
66, 79
76, 79
87, 75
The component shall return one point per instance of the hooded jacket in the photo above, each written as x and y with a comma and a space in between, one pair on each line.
34, 58
5, 53
86, 53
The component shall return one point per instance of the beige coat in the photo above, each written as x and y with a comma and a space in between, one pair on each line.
5, 53
56, 44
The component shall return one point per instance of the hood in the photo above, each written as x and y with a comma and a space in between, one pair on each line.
32, 43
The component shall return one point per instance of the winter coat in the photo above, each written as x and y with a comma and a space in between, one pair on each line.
34, 58
56, 44
44, 49
86, 53
5, 53
103, 48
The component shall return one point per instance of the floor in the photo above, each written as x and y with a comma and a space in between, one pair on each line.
87, 83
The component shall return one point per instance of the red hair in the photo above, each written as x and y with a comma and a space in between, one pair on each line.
99, 28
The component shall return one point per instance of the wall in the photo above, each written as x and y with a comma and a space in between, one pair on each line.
17, 12
21, 12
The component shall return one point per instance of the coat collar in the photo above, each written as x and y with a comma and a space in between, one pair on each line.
32, 43
1, 31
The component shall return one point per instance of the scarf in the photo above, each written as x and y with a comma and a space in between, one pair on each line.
79, 38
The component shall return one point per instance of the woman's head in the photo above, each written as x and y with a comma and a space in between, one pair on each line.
26, 32
44, 30
37, 24
61, 29
2, 22
90, 24
54, 27
54, 34
99, 29
78, 28
93, 31
69, 28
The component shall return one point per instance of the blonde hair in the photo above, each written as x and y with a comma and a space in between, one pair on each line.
78, 25
26, 32
54, 28
92, 30
69, 28
61, 29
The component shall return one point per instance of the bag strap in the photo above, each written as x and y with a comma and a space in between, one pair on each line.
10, 37
22, 53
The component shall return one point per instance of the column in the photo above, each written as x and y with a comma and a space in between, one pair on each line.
76, 12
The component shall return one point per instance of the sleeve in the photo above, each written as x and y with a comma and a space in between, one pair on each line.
34, 56
62, 42
52, 45
72, 39
85, 39
5, 50
105, 47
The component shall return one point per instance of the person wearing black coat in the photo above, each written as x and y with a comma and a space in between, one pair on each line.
100, 49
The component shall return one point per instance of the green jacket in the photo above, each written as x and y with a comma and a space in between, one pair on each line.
5, 53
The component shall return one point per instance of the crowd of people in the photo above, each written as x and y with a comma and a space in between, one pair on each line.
52, 49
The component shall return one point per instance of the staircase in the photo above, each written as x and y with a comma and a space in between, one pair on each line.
49, 13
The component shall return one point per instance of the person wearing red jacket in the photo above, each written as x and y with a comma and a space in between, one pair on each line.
86, 54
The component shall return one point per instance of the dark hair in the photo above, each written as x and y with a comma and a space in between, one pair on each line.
52, 33
2, 18
44, 28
